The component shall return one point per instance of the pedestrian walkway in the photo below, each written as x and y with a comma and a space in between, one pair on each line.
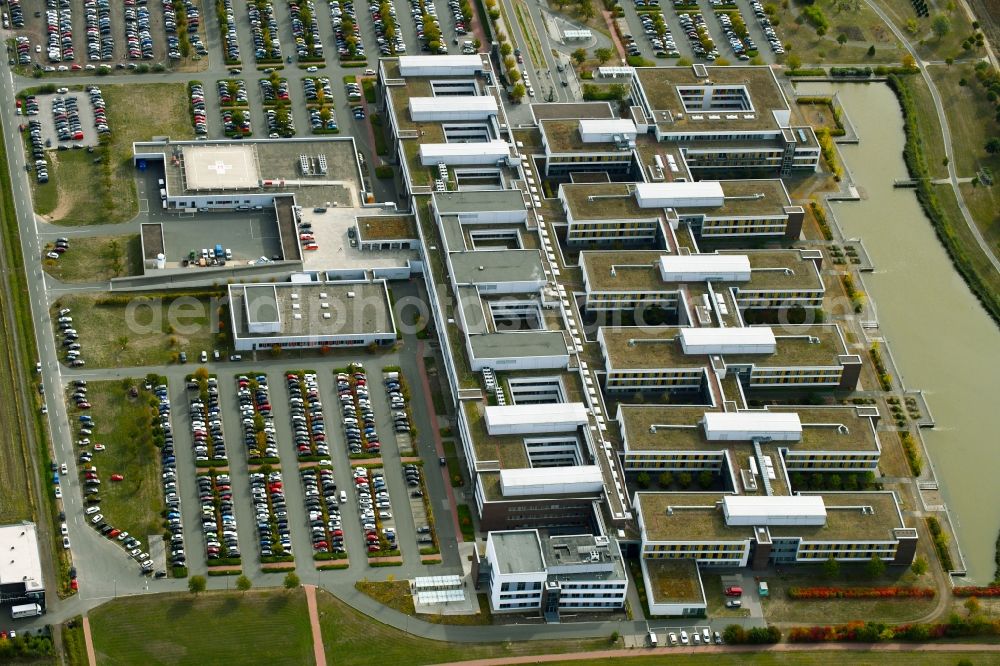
89, 641
317, 634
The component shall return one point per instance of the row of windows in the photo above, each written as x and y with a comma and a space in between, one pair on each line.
504, 587
846, 547
695, 547
623, 156
700, 556
586, 595
593, 586
795, 456
521, 595
593, 604
739, 223
802, 373
650, 375
792, 467
519, 605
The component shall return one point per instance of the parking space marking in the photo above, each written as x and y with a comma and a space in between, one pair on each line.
143, 205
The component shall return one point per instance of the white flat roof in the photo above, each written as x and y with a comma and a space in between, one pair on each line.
774, 510
456, 103
482, 153
220, 167
783, 426
561, 417
551, 480
694, 340
608, 126
679, 194
722, 265
21, 561
458, 64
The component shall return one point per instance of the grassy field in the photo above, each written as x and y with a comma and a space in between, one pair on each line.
960, 104
853, 657
977, 259
929, 128
123, 426
97, 259
928, 45
352, 639
102, 193
211, 628
147, 330
15, 502
778, 607
862, 26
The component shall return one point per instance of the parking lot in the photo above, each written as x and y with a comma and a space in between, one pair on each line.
310, 508
46, 118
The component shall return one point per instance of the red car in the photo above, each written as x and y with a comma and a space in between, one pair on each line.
113, 533
117, 477
73, 585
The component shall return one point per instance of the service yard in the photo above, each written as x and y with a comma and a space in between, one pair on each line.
148, 330
95, 259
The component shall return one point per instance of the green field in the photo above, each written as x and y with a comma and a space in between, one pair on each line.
124, 427
15, 502
353, 639
74, 644
852, 657
212, 628
96, 259
122, 331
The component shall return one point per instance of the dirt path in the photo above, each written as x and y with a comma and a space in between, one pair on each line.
318, 651
89, 641
723, 649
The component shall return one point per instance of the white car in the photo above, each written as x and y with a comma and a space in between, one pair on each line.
66, 543
58, 492
684, 637
64, 529
91, 510
63, 469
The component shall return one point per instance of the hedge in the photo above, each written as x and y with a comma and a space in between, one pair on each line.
873, 632
860, 592
940, 543
975, 591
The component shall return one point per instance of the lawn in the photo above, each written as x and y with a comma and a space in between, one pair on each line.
97, 259
15, 501
928, 45
977, 260
929, 128
861, 25
465, 522
962, 103
353, 639
211, 628
778, 607
396, 595
104, 193
123, 426
853, 657
454, 464
147, 330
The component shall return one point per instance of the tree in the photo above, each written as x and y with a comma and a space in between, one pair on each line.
793, 61
941, 25
705, 478
517, 92
197, 584
579, 55
243, 584
684, 479
506, 49
603, 54
831, 568
919, 566
587, 10
642, 480
871, 51
972, 605
993, 146
292, 580
841, 39
666, 480
876, 567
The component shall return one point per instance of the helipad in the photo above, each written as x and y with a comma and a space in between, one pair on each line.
220, 167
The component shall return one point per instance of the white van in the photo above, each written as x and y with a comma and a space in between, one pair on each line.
343, 496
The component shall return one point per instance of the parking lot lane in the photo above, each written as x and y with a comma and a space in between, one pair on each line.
236, 450
194, 542
342, 466
294, 496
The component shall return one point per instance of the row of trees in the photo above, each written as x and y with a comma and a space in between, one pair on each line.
197, 584
667, 479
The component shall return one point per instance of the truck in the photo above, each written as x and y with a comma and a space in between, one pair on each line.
219, 252
25, 610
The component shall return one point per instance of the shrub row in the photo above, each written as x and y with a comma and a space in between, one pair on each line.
824, 224
940, 543
851, 71
859, 592
975, 591
873, 632
912, 452
736, 634
884, 378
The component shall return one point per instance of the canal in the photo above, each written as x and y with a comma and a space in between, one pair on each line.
942, 340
